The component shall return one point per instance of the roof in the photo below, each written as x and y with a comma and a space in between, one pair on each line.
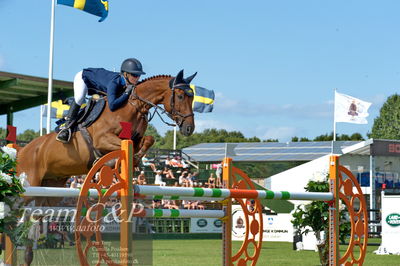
265, 151
19, 92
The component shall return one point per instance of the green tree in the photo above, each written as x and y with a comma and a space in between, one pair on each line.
207, 136
152, 131
271, 140
316, 216
28, 135
387, 124
343, 137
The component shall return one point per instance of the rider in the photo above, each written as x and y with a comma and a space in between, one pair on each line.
116, 85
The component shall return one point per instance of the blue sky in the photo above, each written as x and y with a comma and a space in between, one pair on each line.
272, 64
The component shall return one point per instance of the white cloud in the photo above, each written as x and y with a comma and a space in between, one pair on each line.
202, 124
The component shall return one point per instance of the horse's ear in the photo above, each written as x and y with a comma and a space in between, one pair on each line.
179, 77
189, 79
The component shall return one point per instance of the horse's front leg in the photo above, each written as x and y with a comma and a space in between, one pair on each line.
142, 147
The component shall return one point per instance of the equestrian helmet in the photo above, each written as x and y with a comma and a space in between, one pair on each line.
133, 66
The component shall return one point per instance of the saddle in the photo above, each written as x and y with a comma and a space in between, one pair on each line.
86, 116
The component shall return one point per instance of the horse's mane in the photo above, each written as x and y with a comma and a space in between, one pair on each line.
154, 78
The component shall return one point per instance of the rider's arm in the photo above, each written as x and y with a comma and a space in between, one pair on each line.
113, 90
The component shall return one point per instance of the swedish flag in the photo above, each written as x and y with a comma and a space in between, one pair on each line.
94, 7
58, 109
203, 101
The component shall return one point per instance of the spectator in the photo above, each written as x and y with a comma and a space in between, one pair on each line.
168, 162
156, 204
74, 182
170, 204
187, 204
197, 205
158, 179
168, 173
185, 165
183, 180
190, 179
195, 176
218, 173
80, 180
146, 162
211, 181
176, 162
141, 179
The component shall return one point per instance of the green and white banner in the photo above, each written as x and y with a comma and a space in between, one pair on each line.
391, 223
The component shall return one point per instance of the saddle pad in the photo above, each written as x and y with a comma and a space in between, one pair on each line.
86, 116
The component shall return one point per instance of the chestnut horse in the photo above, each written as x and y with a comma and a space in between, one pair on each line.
48, 162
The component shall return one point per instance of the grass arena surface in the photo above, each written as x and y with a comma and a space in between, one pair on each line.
208, 252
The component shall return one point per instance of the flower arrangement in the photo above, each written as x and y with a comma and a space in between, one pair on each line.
11, 202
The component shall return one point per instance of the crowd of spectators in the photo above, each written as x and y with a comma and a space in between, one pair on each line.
173, 171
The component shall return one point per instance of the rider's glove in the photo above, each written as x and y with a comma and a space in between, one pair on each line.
128, 89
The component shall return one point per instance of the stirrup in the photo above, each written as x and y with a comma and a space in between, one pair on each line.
69, 135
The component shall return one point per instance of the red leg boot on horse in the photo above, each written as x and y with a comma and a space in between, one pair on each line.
65, 134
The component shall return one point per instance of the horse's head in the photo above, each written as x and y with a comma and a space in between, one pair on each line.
174, 93
180, 103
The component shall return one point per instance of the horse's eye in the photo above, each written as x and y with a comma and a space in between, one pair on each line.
180, 97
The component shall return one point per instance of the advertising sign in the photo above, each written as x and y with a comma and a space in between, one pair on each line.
276, 227
205, 225
391, 223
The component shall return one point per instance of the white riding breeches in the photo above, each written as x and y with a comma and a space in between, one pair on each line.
80, 89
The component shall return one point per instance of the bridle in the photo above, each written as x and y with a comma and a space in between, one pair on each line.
174, 113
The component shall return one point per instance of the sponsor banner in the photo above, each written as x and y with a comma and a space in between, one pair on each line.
205, 225
275, 227
391, 223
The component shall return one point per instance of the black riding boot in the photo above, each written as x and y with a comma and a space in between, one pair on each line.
65, 134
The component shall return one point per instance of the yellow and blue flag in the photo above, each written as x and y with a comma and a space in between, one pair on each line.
58, 109
94, 7
203, 101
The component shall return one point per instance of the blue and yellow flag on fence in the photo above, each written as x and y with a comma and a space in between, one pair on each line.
58, 109
94, 7
203, 101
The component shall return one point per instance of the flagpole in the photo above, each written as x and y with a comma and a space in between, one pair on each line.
174, 145
334, 116
51, 52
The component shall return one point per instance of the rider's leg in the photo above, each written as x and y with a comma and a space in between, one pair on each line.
80, 91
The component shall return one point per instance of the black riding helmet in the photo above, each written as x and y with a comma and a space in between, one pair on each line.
133, 66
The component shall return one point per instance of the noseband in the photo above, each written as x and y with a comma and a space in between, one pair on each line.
174, 112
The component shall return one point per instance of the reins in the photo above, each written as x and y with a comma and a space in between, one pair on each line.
156, 109
163, 111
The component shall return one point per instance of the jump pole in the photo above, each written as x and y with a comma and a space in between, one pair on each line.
227, 209
126, 255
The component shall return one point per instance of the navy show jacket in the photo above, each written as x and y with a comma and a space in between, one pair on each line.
109, 82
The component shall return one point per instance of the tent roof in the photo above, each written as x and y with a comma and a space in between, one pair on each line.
19, 92
265, 151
